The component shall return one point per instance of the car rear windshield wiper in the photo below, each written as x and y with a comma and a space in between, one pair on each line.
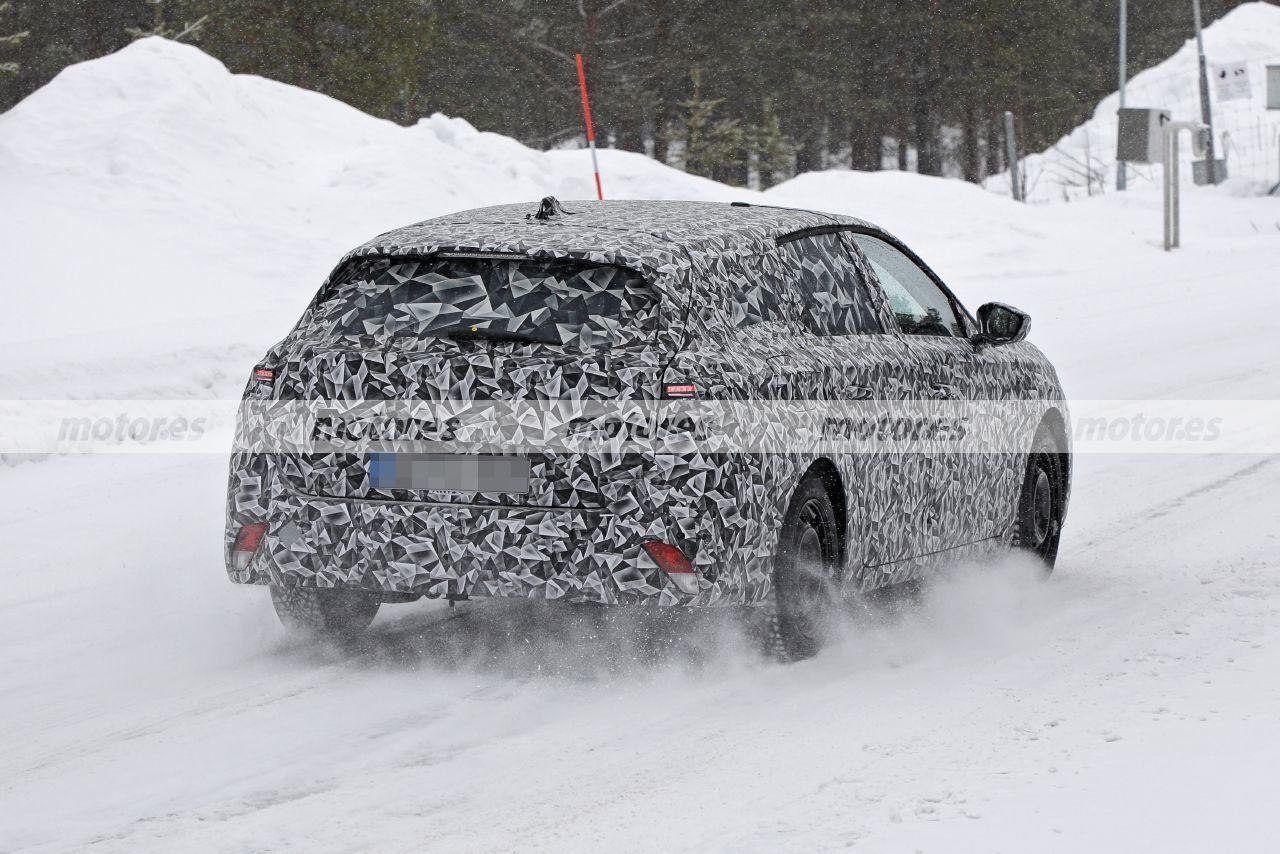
489, 333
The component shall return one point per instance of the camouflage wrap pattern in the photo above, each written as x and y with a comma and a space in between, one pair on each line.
414, 300
731, 306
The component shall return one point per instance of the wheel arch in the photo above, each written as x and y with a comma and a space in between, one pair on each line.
826, 471
1055, 425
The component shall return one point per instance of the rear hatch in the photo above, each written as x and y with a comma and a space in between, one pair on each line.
475, 360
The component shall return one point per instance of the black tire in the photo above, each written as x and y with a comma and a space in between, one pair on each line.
804, 573
338, 616
1038, 529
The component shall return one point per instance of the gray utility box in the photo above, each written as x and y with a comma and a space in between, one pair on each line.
1200, 172
1273, 87
1141, 136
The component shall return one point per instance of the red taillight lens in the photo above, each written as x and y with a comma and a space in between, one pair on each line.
679, 390
249, 537
676, 566
668, 558
247, 544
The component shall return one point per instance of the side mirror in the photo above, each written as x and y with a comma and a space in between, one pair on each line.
1001, 324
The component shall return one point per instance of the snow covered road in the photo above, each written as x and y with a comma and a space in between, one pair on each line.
1131, 703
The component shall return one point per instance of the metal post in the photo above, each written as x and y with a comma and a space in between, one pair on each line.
1170, 186
1206, 114
1172, 182
591, 133
1011, 147
1124, 61
1176, 182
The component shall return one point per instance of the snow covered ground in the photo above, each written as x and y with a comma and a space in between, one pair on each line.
1246, 133
163, 222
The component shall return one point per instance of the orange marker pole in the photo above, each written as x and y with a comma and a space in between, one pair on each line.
591, 134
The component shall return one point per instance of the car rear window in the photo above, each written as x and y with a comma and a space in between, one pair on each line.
553, 301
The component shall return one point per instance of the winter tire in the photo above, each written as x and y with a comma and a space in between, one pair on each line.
1039, 524
804, 572
335, 615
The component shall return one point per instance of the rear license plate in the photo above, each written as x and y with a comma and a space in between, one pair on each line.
450, 472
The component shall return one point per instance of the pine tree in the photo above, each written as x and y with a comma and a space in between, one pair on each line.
12, 40
773, 154
838, 76
366, 54
162, 28
711, 145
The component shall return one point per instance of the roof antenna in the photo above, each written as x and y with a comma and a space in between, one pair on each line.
550, 206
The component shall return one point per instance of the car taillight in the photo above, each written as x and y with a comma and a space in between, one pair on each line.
673, 562
680, 390
247, 543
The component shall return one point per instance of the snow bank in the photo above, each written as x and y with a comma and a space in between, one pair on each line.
168, 189
1083, 162
164, 118
166, 220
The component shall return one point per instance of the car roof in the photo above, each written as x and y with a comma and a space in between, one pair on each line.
667, 241
663, 237
663, 222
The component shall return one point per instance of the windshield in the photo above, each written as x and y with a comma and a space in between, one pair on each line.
558, 301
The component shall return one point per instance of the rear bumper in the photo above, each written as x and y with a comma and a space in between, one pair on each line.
451, 550
586, 554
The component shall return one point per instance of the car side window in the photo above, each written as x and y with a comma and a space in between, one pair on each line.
921, 307
834, 297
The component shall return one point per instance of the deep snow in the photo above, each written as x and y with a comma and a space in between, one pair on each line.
1246, 133
164, 221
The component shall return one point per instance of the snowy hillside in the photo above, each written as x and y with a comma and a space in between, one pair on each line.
165, 221
1083, 162
225, 199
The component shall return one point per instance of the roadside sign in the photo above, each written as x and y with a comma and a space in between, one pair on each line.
1231, 81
